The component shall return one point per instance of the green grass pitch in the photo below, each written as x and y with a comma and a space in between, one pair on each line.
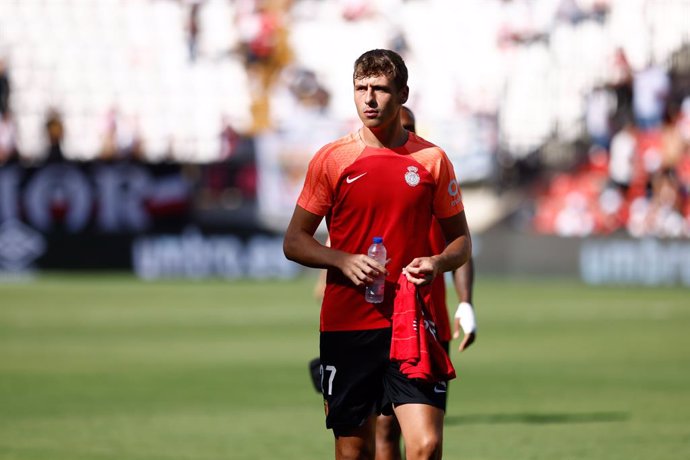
108, 367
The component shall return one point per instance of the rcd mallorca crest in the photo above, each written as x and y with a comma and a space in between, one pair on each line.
411, 176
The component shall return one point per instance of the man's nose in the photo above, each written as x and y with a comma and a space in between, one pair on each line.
369, 97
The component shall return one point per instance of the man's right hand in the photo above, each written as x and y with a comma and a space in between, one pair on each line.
360, 268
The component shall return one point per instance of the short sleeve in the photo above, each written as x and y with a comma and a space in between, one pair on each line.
317, 193
447, 195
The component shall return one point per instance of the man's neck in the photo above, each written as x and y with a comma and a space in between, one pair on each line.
384, 137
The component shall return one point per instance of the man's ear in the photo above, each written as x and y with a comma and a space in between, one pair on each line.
404, 94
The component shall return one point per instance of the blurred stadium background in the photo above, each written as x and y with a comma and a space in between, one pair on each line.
166, 140
170, 137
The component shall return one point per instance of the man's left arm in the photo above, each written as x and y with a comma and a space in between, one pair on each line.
463, 280
422, 270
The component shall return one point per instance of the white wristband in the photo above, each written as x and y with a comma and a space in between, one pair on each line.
465, 313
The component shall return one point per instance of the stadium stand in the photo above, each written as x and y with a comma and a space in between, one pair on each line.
529, 84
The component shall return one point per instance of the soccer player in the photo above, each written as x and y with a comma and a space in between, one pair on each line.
378, 181
387, 426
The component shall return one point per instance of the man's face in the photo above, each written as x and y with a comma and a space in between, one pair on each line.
378, 100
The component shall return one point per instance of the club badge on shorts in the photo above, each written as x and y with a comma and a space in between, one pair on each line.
411, 176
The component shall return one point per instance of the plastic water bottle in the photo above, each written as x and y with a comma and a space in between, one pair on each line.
373, 293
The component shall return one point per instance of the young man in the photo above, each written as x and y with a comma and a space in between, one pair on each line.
387, 426
378, 181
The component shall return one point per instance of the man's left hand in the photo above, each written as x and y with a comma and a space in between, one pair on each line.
465, 319
421, 271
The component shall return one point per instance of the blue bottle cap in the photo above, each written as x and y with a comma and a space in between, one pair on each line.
378, 239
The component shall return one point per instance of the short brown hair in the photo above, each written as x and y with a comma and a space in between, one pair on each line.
381, 62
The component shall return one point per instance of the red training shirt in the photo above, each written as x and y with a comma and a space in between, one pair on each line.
365, 192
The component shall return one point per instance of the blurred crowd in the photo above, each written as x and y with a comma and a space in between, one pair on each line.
635, 175
196, 81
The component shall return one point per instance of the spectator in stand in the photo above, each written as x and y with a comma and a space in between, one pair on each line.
673, 145
622, 156
4, 88
651, 87
398, 43
109, 142
265, 49
192, 28
569, 11
661, 214
8, 138
683, 169
666, 205
684, 119
121, 137
622, 84
308, 91
229, 138
354, 10
55, 133
600, 106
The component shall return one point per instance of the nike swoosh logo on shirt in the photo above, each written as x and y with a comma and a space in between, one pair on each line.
440, 387
350, 180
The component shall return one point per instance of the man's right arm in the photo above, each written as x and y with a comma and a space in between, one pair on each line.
300, 246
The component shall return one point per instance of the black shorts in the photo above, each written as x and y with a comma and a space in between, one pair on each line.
358, 379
